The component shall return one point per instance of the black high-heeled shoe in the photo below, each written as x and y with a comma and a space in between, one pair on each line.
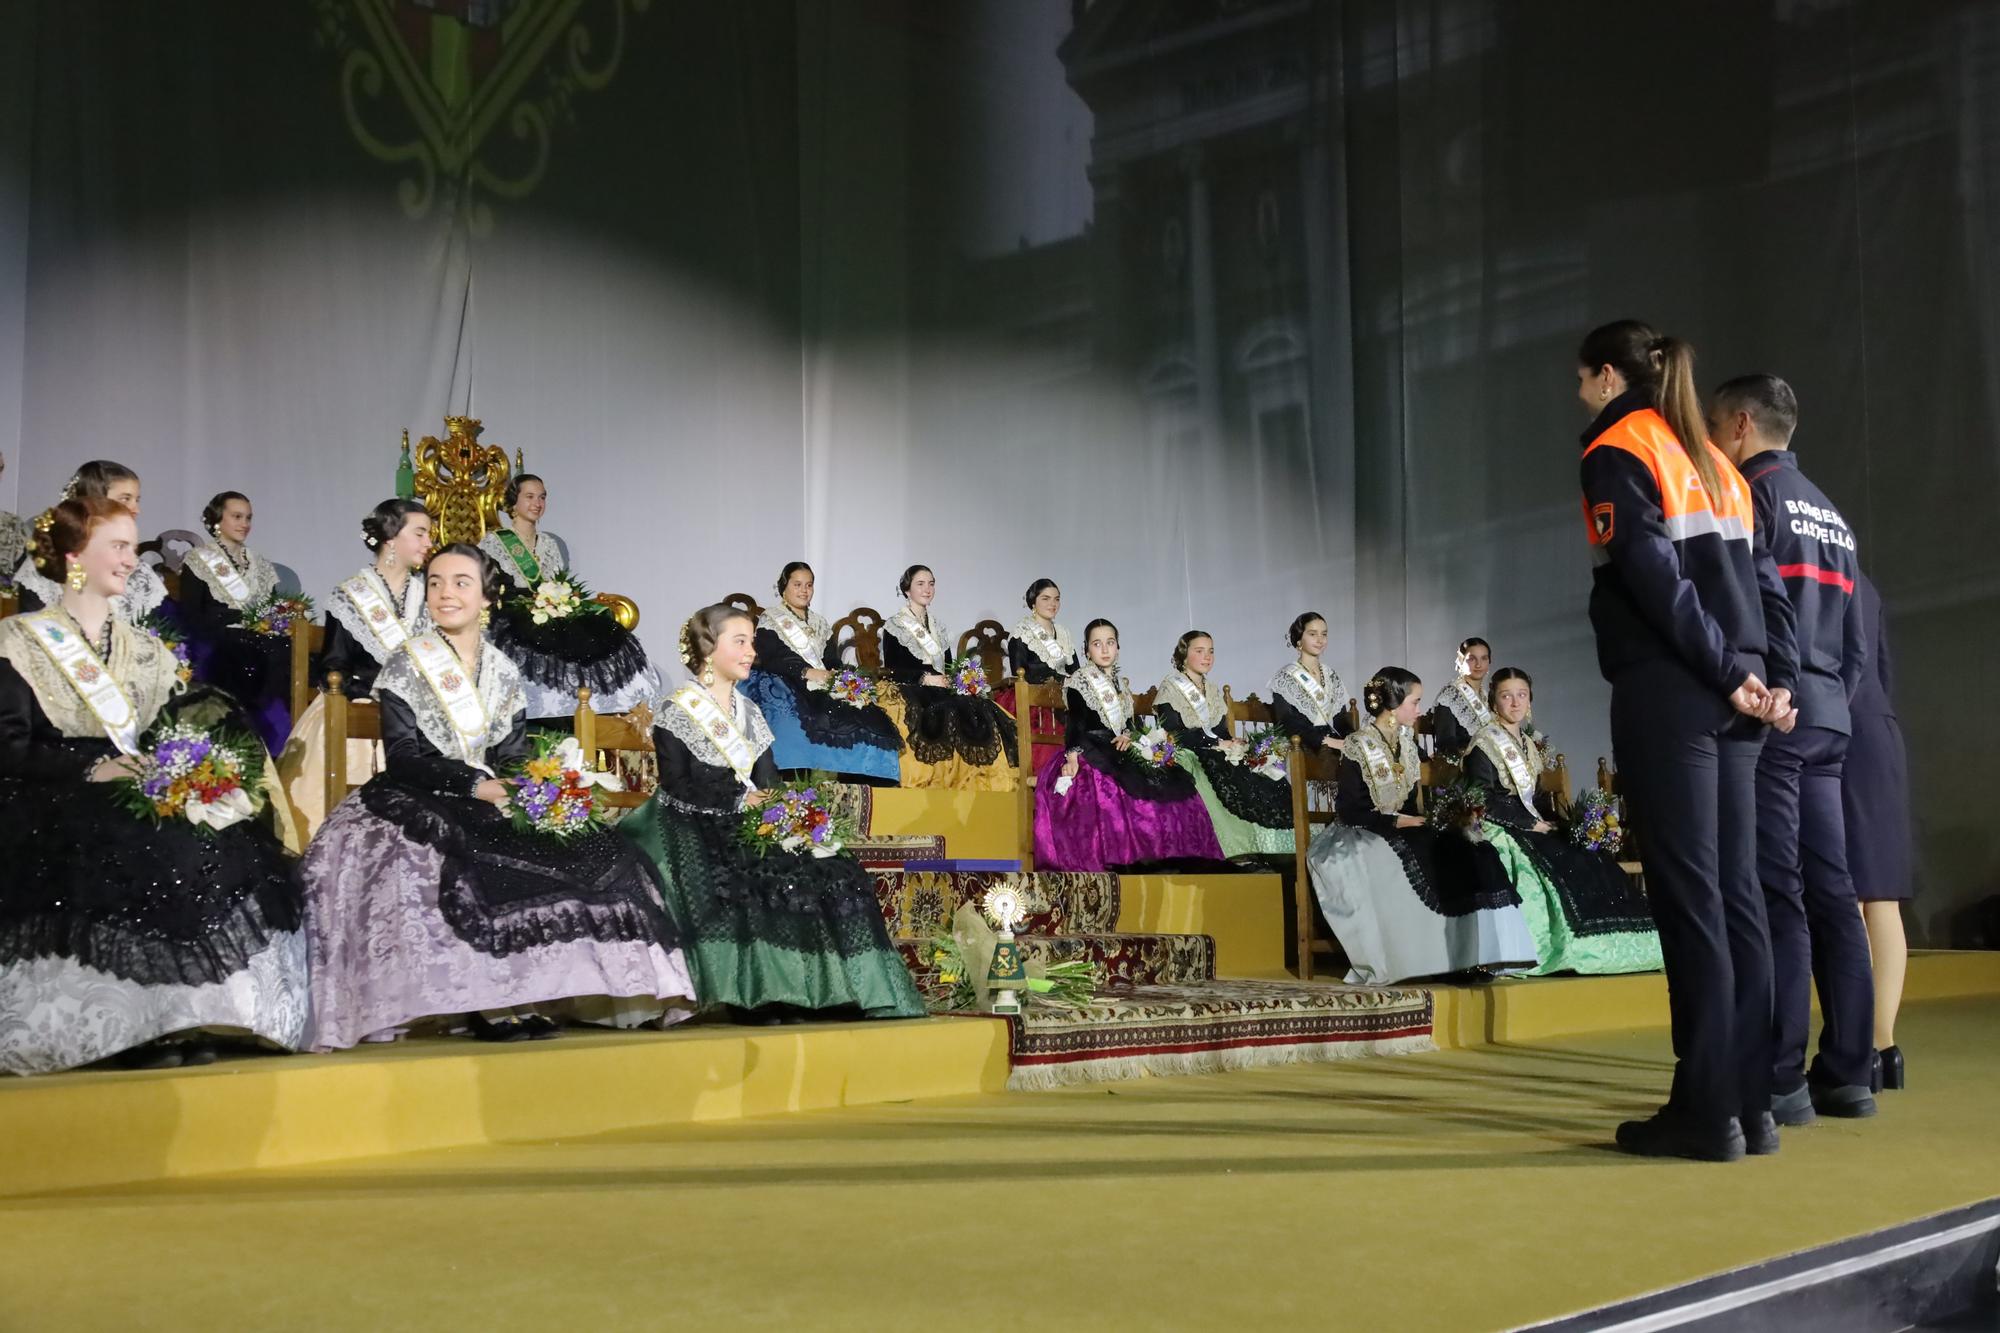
1892, 1066
507, 1029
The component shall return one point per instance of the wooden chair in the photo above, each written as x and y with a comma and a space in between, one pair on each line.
1030, 703
1353, 716
986, 641
604, 734
10, 603
307, 639
1303, 770
858, 635
1631, 861
346, 720
1554, 784
1142, 700
743, 601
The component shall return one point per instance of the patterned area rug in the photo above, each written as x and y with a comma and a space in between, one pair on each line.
857, 802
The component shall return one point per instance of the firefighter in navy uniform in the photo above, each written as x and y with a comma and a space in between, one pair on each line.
1817, 934
1695, 634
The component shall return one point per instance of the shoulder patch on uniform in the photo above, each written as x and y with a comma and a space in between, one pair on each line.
1602, 519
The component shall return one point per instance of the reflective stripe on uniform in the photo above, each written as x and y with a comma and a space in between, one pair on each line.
1685, 504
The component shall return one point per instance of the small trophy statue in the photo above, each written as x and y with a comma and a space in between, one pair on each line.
1009, 975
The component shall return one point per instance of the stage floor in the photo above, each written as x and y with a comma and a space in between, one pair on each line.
1468, 1189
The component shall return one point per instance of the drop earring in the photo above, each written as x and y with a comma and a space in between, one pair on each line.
77, 578
485, 617
708, 673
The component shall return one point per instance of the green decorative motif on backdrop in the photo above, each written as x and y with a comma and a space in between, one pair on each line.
466, 95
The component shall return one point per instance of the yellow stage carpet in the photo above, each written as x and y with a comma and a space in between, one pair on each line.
1467, 1189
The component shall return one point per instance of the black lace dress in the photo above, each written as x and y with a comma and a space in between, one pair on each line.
255, 668
772, 931
950, 739
1251, 811
558, 656
812, 730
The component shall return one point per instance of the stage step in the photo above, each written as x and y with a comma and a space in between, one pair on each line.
1119, 960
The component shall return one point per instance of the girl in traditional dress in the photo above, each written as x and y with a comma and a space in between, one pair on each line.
220, 580
1307, 698
369, 617
1251, 810
426, 906
1586, 913
810, 729
772, 934
144, 593
1097, 804
558, 656
951, 740
1462, 710
1039, 650
14, 534
1406, 900
120, 936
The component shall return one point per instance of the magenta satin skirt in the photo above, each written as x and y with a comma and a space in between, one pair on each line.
1098, 825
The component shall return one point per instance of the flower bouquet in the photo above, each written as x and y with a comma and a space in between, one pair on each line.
849, 687
1151, 747
1460, 808
173, 640
958, 962
211, 778
1262, 752
275, 614
967, 675
795, 819
1540, 741
553, 791
558, 597
1597, 826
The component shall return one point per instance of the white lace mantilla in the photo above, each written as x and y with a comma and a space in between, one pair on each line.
1320, 712
1100, 689
15, 533
500, 694
260, 578
547, 554
749, 720
903, 626
1200, 704
138, 661
1519, 762
1056, 649
807, 638
1461, 699
1390, 776
143, 591
416, 616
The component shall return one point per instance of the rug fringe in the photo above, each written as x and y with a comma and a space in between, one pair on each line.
1046, 1077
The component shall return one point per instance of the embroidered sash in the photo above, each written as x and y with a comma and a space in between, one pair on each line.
222, 571
797, 634
1511, 758
1055, 649
456, 691
1389, 776
524, 559
720, 728
1197, 698
376, 613
1316, 691
1461, 699
82, 667
928, 642
1105, 694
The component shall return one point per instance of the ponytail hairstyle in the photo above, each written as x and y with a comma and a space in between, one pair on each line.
514, 485
1298, 629
1386, 690
1185, 642
211, 513
910, 576
63, 529
492, 583
386, 520
1036, 589
703, 629
96, 478
1501, 677
785, 575
1663, 367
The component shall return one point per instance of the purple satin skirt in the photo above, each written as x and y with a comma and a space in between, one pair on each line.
1098, 825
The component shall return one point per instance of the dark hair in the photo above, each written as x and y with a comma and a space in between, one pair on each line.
1036, 589
1091, 629
514, 485
492, 583
910, 576
1501, 677
1663, 367
1386, 690
1769, 400
97, 477
64, 528
785, 575
388, 519
1185, 642
1467, 645
1298, 629
703, 628
211, 513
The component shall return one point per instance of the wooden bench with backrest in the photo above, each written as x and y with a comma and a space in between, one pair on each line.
857, 638
1032, 705
1309, 809
346, 720
987, 641
1631, 853
603, 735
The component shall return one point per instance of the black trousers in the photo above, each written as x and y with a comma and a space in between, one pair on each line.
1687, 763
1817, 935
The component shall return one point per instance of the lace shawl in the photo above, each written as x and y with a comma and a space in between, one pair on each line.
1390, 777
547, 554
1173, 690
1056, 650
142, 664
1519, 762
682, 727
1461, 699
1080, 681
143, 591
818, 631
261, 577
899, 625
500, 693
416, 616
1286, 686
